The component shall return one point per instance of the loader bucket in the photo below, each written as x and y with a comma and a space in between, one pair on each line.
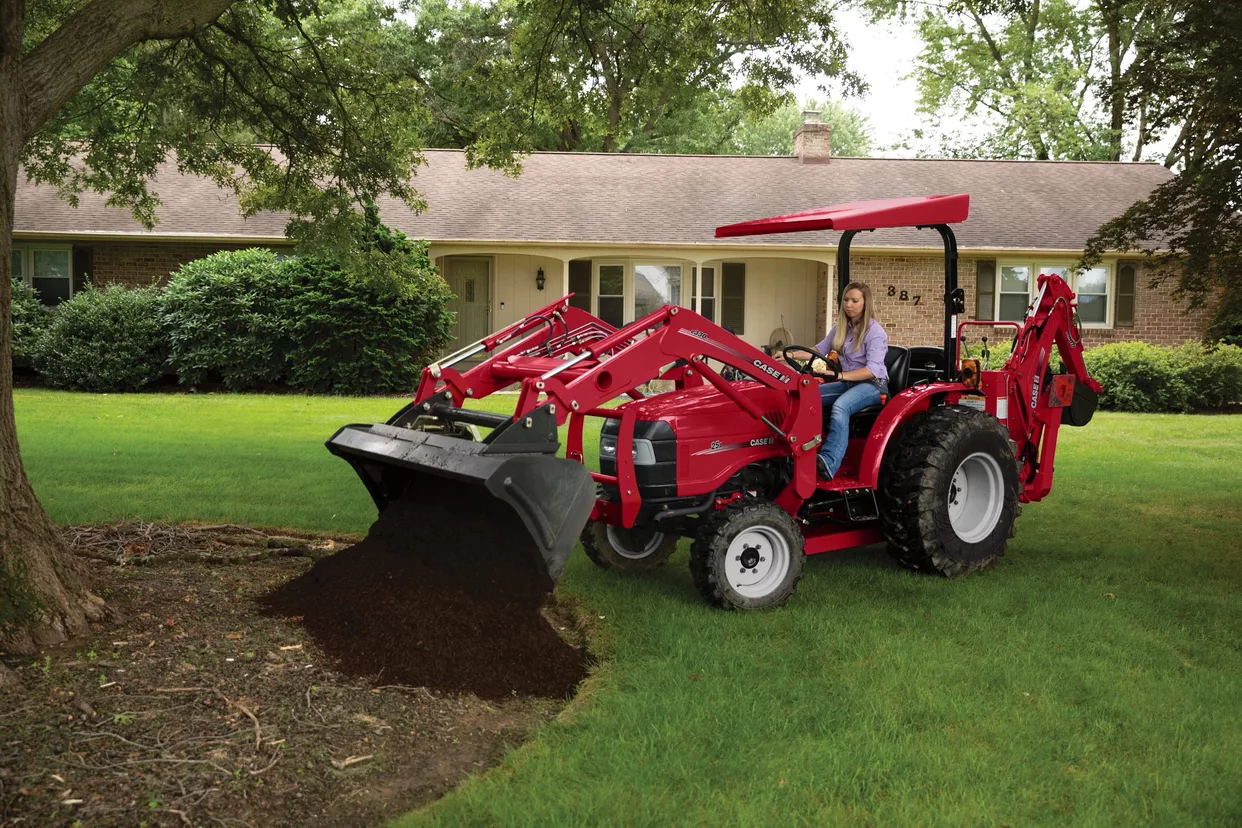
536, 502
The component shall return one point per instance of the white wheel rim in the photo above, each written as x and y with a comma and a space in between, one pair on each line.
757, 562
620, 544
976, 497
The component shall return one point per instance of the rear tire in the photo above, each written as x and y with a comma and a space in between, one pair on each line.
949, 492
748, 555
639, 549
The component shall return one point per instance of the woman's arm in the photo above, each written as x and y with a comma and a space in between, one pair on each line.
858, 375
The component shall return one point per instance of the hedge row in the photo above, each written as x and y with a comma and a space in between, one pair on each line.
248, 320
1150, 378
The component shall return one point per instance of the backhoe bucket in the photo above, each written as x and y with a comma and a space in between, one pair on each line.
515, 492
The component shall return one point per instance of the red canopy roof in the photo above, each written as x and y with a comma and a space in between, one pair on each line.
860, 215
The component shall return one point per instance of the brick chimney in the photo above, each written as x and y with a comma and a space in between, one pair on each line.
812, 141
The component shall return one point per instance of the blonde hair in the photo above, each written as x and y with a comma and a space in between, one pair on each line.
865, 318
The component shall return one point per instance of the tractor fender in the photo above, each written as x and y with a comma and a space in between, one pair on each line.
896, 412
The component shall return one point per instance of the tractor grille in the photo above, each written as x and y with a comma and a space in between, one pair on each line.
776, 417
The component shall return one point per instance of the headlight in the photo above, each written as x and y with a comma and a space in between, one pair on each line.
643, 452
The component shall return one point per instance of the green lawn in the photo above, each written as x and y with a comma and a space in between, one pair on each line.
1092, 678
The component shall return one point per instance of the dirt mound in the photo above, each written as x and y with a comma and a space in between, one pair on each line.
450, 604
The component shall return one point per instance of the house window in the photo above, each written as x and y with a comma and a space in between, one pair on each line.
49, 270
705, 304
1091, 285
1127, 284
580, 284
654, 287
733, 297
1017, 289
611, 294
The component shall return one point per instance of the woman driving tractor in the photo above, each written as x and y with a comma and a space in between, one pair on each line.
860, 343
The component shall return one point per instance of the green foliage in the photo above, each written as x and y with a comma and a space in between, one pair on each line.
610, 76
1226, 325
1214, 373
999, 349
222, 314
1191, 75
104, 340
773, 134
331, 85
1027, 72
30, 319
1150, 378
365, 326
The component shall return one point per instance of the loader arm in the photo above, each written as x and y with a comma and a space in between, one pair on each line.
578, 381
1038, 401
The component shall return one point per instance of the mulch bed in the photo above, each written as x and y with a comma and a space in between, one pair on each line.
198, 708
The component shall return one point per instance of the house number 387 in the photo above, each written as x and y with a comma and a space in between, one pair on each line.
903, 295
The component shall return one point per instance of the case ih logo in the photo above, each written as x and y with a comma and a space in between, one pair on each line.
718, 446
772, 372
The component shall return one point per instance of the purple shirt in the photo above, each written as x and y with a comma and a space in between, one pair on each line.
871, 355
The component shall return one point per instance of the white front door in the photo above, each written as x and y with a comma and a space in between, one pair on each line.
470, 280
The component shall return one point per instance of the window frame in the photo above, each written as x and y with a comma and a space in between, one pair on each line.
1037, 265
627, 290
27, 251
633, 282
696, 299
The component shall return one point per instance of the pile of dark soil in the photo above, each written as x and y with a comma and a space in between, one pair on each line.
445, 592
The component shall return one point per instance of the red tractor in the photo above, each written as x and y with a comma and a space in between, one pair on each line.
937, 471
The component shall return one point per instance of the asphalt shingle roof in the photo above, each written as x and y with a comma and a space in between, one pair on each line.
667, 199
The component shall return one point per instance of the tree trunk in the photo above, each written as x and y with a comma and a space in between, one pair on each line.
1116, 96
43, 599
43, 594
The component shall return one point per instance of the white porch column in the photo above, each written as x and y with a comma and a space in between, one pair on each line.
564, 277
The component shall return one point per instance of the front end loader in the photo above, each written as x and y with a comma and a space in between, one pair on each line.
727, 457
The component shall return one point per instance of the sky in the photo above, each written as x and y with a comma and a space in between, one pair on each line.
883, 53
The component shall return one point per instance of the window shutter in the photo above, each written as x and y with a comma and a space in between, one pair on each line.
580, 284
733, 297
82, 267
985, 288
1127, 283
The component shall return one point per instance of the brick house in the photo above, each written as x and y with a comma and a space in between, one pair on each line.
627, 233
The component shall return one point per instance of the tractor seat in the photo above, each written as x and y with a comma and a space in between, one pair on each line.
897, 361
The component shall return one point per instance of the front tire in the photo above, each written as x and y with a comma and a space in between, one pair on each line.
748, 555
949, 492
639, 549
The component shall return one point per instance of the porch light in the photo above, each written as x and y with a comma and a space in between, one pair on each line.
539, 279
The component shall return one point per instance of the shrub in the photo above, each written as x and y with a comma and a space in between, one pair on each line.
1138, 377
104, 340
1214, 373
30, 319
222, 318
368, 326
1150, 378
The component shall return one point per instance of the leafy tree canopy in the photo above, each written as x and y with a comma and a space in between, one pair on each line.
606, 75
317, 102
1032, 71
773, 135
1191, 75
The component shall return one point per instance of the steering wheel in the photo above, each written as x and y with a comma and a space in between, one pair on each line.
830, 372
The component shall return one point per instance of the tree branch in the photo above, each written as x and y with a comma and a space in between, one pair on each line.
56, 69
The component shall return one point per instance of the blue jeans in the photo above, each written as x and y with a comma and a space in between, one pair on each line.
845, 399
